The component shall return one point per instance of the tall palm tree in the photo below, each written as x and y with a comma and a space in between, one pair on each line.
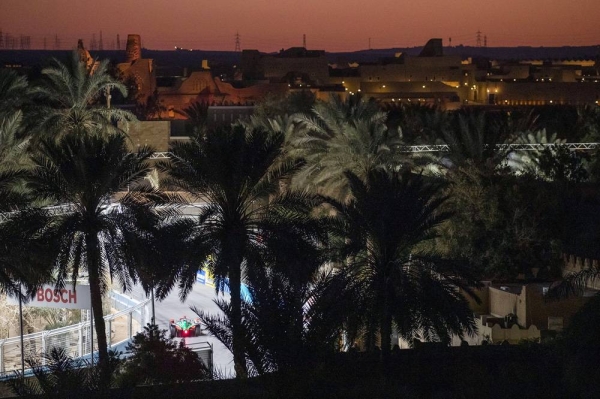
343, 135
287, 325
19, 267
70, 95
385, 227
23, 259
236, 171
294, 311
82, 174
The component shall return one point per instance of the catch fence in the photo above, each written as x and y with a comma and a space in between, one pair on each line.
76, 339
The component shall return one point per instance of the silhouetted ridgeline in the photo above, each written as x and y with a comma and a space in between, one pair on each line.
192, 58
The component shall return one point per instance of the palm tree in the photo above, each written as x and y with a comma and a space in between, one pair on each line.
477, 136
82, 174
13, 140
287, 325
528, 161
56, 374
420, 123
13, 91
13, 144
236, 171
294, 311
343, 135
385, 227
19, 267
574, 283
70, 95
197, 115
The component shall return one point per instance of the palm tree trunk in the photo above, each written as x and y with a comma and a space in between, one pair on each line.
385, 325
93, 265
235, 285
386, 332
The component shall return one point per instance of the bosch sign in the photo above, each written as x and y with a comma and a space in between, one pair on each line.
70, 297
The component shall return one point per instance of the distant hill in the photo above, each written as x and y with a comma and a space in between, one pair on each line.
182, 58
498, 53
173, 58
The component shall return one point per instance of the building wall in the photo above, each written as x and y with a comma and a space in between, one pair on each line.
197, 82
503, 303
152, 133
316, 68
275, 67
143, 74
406, 87
496, 333
539, 309
536, 93
420, 69
530, 305
226, 115
200, 86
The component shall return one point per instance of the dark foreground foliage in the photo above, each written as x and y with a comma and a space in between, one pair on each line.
430, 371
56, 374
155, 359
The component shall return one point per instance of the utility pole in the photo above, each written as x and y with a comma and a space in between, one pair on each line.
238, 42
304, 40
118, 42
478, 37
485, 41
153, 314
21, 328
449, 42
369, 43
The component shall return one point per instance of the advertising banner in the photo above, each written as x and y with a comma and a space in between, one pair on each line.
205, 277
47, 296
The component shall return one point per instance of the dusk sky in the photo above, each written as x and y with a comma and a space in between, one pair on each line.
333, 25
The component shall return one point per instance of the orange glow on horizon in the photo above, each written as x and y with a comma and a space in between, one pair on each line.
343, 25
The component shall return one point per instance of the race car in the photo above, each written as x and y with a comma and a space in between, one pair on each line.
184, 327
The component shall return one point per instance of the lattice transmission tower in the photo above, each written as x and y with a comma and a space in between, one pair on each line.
238, 42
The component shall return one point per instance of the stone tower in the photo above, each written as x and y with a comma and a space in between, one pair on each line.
134, 48
84, 55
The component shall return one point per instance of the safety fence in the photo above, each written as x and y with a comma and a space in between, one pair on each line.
76, 339
446, 148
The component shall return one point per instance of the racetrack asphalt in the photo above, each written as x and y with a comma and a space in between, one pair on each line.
201, 297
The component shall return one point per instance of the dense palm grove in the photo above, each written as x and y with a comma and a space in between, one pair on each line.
341, 234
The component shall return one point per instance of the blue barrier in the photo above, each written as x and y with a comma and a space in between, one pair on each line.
204, 278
